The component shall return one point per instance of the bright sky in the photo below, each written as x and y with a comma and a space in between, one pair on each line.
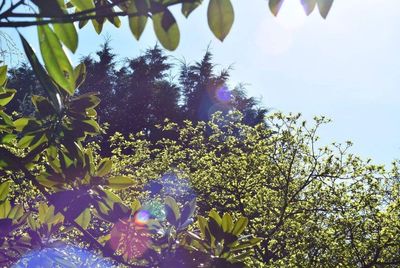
346, 67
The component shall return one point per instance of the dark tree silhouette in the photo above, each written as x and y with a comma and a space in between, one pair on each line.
140, 93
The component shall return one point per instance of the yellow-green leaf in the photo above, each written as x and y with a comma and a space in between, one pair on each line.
324, 6
308, 6
120, 182
3, 74
6, 96
84, 219
188, 8
4, 190
104, 167
166, 29
56, 61
19, 124
275, 6
66, 32
137, 25
220, 17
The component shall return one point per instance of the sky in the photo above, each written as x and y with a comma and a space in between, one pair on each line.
346, 67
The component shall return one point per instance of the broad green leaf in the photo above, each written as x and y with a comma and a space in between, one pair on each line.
188, 8
120, 182
98, 26
66, 32
4, 190
220, 17
25, 141
188, 211
55, 59
16, 212
173, 206
43, 77
308, 5
19, 124
104, 167
202, 223
5, 209
275, 6
84, 219
43, 208
3, 74
227, 223
240, 225
324, 6
166, 29
6, 96
137, 25
214, 214
79, 74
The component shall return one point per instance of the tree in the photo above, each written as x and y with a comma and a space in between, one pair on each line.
312, 207
46, 148
205, 93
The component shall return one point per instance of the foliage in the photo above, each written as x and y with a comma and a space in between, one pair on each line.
62, 14
142, 92
76, 186
312, 207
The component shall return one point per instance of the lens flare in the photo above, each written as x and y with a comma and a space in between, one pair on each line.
142, 217
62, 255
223, 95
129, 238
156, 209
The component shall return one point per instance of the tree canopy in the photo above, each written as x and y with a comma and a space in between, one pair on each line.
141, 94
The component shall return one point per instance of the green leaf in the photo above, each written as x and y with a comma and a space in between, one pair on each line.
84, 219
172, 210
19, 124
308, 5
120, 182
41, 74
214, 214
104, 167
3, 74
6, 96
16, 212
202, 223
5, 209
66, 32
166, 29
188, 8
240, 225
188, 211
137, 25
79, 74
55, 59
227, 223
4, 190
275, 6
220, 17
324, 6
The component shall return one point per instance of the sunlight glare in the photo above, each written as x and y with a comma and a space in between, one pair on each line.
291, 16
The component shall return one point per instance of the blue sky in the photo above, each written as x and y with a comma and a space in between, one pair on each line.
346, 67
